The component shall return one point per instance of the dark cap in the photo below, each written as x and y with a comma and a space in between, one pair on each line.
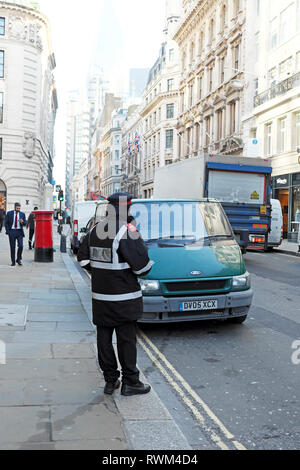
17, 204
120, 199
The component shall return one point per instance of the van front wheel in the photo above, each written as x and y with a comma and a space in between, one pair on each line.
238, 320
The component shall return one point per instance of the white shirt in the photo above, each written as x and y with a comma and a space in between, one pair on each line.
18, 225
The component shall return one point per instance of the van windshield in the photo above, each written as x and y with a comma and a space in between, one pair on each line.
181, 222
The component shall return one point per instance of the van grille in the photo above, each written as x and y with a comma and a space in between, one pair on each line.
198, 286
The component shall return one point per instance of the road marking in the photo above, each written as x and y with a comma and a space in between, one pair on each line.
214, 437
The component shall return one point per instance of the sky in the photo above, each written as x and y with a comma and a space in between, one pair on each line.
122, 34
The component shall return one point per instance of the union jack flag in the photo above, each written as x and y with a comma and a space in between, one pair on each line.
137, 142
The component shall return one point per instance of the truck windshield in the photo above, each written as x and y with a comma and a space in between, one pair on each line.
181, 222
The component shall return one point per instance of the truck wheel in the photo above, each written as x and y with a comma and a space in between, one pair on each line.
238, 320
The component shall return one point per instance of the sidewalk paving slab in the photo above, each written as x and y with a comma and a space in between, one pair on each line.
51, 387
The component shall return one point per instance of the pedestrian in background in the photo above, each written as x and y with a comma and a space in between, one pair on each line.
15, 221
116, 259
30, 225
2, 217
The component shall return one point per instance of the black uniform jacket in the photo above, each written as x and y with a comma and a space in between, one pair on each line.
115, 264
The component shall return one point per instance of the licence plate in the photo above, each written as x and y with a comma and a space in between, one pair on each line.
198, 305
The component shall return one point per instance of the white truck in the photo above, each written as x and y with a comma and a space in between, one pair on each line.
242, 185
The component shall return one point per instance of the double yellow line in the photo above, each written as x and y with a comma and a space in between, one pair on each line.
190, 397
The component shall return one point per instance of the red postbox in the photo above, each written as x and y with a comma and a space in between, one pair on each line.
43, 237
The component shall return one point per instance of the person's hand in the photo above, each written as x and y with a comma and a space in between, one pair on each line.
21, 221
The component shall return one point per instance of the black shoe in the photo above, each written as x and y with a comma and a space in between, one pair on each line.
110, 387
13, 264
20, 263
137, 389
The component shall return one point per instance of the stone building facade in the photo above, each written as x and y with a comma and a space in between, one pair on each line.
211, 39
160, 107
111, 150
272, 119
28, 104
132, 152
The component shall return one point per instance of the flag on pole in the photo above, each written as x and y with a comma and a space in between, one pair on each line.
137, 142
129, 148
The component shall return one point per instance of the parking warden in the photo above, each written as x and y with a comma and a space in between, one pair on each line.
116, 255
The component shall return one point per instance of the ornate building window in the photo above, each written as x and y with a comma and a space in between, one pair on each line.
268, 141
1, 108
211, 31
192, 53
170, 111
169, 138
236, 58
298, 130
210, 79
1, 64
2, 26
201, 43
171, 84
223, 18
282, 135
222, 70
233, 120
200, 87
191, 103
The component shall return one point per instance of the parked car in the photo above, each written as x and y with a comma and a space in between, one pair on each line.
199, 271
276, 235
81, 214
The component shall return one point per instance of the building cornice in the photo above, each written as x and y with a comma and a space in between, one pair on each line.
24, 9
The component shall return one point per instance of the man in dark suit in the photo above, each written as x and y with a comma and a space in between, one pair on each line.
15, 222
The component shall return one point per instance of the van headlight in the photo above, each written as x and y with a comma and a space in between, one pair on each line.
241, 282
148, 285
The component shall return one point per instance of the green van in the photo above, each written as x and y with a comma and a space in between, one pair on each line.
199, 271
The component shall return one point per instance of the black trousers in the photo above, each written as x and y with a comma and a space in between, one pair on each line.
1, 224
127, 353
16, 235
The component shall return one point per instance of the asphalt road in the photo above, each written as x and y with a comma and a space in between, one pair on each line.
235, 386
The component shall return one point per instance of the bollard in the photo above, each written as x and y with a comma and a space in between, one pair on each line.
63, 244
43, 250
